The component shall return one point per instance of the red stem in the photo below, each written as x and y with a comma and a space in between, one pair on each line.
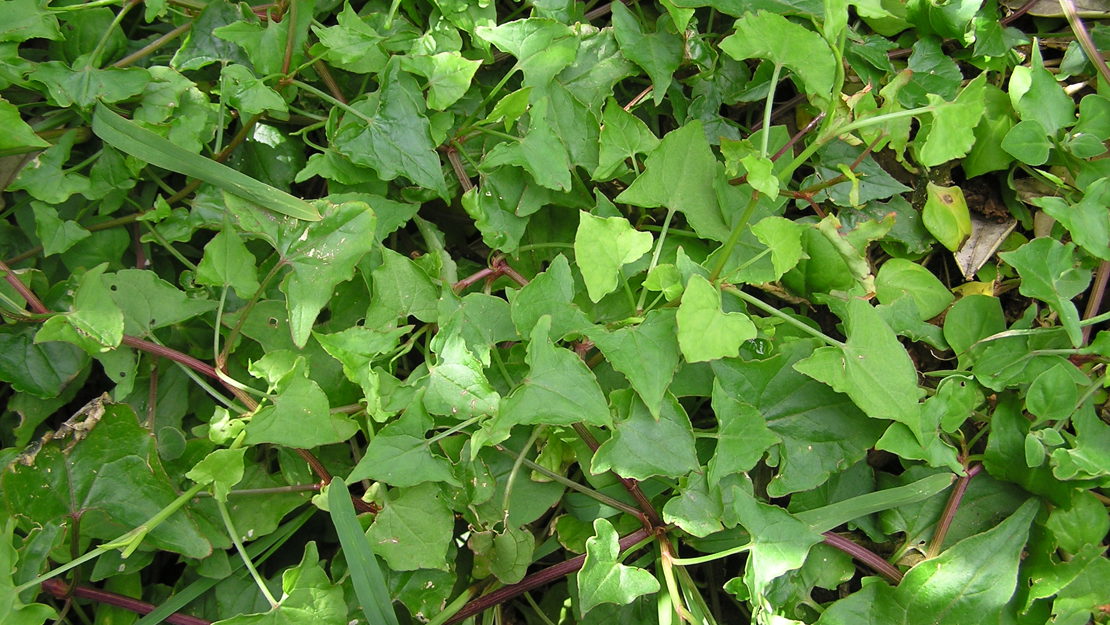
59, 589
865, 555
950, 509
536, 580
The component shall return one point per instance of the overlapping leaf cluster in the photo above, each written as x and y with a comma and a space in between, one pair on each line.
692, 302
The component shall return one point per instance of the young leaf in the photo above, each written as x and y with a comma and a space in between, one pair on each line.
1088, 221
18, 134
448, 75
742, 436
602, 246
948, 133
222, 467
457, 384
1050, 273
603, 579
705, 332
389, 132
550, 293
414, 529
623, 136
559, 389
541, 46
679, 175
13, 610
643, 446
872, 368
659, 53
770, 36
900, 278
647, 354
227, 262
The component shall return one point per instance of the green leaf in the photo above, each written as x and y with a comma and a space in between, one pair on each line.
45, 177
770, 36
13, 610
41, 369
872, 368
541, 152
742, 436
1050, 272
227, 262
300, 416
17, 133
779, 541
679, 175
95, 322
504, 554
1027, 142
148, 302
322, 254
1090, 456
308, 596
401, 460
705, 332
223, 468
1088, 220
602, 246
401, 289
457, 385
1053, 394
948, 133
822, 431
28, 19
389, 132
559, 388
976, 576
103, 467
647, 354
266, 45
603, 579
1037, 96
659, 53
623, 136
900, 278
86, 86
986, 153
366, 575
946, 215
448, 74
249, 94
143, 144
352, 44
971, 319
56, 235
644, 446
541, 46
550, 293
413, 530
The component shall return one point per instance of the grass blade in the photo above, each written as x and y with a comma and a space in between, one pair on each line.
366, 576
825, 518
129, 137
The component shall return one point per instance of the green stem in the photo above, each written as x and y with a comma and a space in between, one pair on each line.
734, 237
765, 139
327, 97
575, 486
712, 556
94, 58
655, 256
775, 312
521, 457
451, 430
234, 534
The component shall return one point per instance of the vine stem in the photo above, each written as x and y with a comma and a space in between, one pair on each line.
950, 509
865, 555
771, 310
59, 589
537, 580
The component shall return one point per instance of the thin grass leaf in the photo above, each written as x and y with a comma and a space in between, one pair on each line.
258, 550
129, 137
366, 576
826, 518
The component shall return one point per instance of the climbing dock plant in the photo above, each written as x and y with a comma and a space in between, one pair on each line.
551, 312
